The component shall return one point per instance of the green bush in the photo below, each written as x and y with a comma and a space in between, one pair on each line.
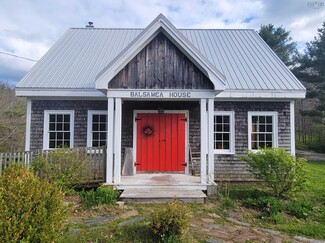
281, 171
103, 195
171, 222
299, 209
31, 210
64, 167
270, 206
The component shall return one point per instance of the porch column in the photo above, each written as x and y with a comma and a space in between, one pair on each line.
110, 141
203, 126
28, 124
210, 140
117, 140
292, 128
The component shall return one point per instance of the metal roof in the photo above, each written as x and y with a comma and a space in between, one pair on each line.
241, 55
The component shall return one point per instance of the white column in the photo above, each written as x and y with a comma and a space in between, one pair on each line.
210, 139
28, 123
292, 128
204, 122
117, 140
110, 141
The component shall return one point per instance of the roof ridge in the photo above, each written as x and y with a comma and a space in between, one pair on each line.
85, 28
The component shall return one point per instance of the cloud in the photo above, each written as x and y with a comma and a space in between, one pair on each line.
30, 27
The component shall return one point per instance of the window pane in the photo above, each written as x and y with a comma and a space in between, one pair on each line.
218, 136
59, 127
66, 135
262, 119
254, 128
95, 118
52, 126
226, 119
66, 143
254, 137
269, 119
261, 137
262, 128
219, 119
95, 143
52, 118
226, 136
226, 128
102, 127
102, 143
226, 145
95, 127
269, 144
66, 126
103, 118
59, 118
95, 135
219, 128
102, 136
52, 144
268, 137
254, 145
218, 145
269, 128
59, 135
66, 118
254, 119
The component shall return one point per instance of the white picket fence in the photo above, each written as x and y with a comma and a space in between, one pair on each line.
97, 156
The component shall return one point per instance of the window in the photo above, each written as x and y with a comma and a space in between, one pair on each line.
262, 130
97, 128
224, 132
58, 129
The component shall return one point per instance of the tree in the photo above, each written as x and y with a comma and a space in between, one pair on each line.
280, 42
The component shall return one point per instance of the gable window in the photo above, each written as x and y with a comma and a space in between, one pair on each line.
262, 130
58, 129
97, 128
224, 132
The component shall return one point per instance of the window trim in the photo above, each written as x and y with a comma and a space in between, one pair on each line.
89, 124
47, 113
231, 149
274, 115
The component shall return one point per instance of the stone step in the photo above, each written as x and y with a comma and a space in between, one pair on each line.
167, 187
162, 195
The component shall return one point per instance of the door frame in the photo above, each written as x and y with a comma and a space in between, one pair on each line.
186, 112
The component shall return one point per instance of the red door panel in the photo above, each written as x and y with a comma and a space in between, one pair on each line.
163, 150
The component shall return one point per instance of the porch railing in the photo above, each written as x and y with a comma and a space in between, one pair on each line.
96, 155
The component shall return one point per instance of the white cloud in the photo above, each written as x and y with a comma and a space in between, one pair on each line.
30, 27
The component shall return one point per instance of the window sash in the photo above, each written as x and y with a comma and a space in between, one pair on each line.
223, 132
97, 128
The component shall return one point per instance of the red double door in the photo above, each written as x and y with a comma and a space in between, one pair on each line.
160, 142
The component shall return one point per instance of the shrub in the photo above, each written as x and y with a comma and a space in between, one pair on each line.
31, 210
300, 209
64, 167
282, 172
170, 222
103, 195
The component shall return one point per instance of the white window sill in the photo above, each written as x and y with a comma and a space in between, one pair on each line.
223, 152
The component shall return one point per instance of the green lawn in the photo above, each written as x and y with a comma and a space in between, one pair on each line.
313, 226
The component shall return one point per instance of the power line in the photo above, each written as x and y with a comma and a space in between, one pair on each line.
26, 58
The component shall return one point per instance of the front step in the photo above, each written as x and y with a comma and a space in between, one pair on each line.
161, 195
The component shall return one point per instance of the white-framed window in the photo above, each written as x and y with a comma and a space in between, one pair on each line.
58, 129
224, 132
262, 129
96, 128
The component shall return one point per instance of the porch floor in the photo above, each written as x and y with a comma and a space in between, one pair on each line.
161, 188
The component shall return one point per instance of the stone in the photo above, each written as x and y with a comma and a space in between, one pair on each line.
219, 234
129, 214
207, 220
213, 226
308, 239
248, 235
120, 203
239, 222
213, 241
272, 232
214, 215
100, 220
131, 221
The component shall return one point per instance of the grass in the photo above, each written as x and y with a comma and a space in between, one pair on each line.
228, 204
313, 226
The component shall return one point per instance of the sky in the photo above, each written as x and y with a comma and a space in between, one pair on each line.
28, 28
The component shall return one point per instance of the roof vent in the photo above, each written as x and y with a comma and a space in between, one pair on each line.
90, 25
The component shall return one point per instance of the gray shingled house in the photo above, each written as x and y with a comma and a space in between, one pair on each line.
167, 93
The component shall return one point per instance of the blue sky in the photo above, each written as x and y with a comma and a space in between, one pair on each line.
30, 27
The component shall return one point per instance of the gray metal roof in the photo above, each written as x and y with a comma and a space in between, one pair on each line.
241, 55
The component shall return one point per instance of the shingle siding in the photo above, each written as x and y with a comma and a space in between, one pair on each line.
230, 167
227, 167
80, 108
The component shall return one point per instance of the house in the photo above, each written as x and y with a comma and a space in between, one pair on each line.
163, 92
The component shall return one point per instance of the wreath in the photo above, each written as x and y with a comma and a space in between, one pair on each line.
148, 130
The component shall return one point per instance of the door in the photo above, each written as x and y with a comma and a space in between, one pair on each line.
160, 142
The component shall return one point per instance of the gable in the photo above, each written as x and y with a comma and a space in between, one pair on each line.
160, 65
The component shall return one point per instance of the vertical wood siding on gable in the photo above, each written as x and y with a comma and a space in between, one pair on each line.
160, 65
